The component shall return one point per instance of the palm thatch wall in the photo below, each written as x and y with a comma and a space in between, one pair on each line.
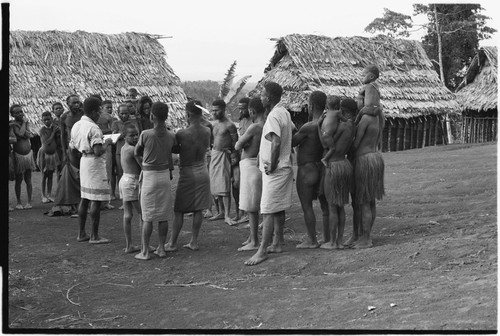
47, 66
411, 91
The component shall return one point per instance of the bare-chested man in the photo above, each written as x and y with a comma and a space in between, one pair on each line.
309, 168
338, 180
193, 188
368, 175
225, 137
250, 175
68, 119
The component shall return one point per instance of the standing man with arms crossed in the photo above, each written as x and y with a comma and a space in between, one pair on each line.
277, 174
193, 187
310, 169
250, 175
225, 137
87, 138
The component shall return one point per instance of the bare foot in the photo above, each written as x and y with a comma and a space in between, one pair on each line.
131, 249
216, 217
170, 248
363, 244
244, 219
141, 256
257, 258
235, 218
351, 241
307, 245
327, 246
249, 247
99, 240
229, 221
246, 242
192, 246
207, 214
86, 237
160, 252
274, 249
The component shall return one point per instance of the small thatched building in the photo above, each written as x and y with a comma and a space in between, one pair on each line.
414, 100
47, 66
477, 96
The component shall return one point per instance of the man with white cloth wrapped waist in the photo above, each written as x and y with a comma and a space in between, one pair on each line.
87, 138
276, 166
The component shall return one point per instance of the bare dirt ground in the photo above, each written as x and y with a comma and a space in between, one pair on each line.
433, 265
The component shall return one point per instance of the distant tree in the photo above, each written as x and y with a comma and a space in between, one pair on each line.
205, 90
392, 23
453, 35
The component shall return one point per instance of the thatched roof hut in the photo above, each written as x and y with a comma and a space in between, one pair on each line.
409, 86
479, 89
477, 96
47, 66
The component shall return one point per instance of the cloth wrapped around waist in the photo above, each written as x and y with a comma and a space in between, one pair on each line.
193, 188
155, 195
220, 173
250, 185
94, 183
277, 191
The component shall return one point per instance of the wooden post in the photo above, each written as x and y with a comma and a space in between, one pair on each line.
389, 126
404, 133
424, 133
411, 133
398, 135
466, 129
434, 140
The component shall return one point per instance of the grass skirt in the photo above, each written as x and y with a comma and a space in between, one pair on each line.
368, 178
338, 182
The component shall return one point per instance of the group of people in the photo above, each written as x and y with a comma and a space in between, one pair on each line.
337, 158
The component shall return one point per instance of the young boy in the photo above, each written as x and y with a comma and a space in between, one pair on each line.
129, 185
368, 99
328, 126
118, 126
24, 162
154, 150
235, 183
48, 159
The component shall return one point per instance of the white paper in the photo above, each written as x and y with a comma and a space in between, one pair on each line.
113, 137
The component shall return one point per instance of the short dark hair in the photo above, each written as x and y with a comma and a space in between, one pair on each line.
256, 104
47, 113
373, 69
274, 89
318, 98
160, 111
192, 108
333, 102
133, 91
106, 102
55, 104
91, 104
71, 95
219, 102
244, 100
12, 107
129, 127
96, 95
348, 104
141, 102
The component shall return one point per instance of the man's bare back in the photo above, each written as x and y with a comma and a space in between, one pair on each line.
344, 135
193, 141
309, 145
130, 165
367, 134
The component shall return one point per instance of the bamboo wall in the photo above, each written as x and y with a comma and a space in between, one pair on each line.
402, 134
479, 128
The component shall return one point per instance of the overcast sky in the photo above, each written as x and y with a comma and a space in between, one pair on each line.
207, 36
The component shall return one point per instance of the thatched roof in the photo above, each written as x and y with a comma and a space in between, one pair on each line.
47, 66
479, 89
409, 86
